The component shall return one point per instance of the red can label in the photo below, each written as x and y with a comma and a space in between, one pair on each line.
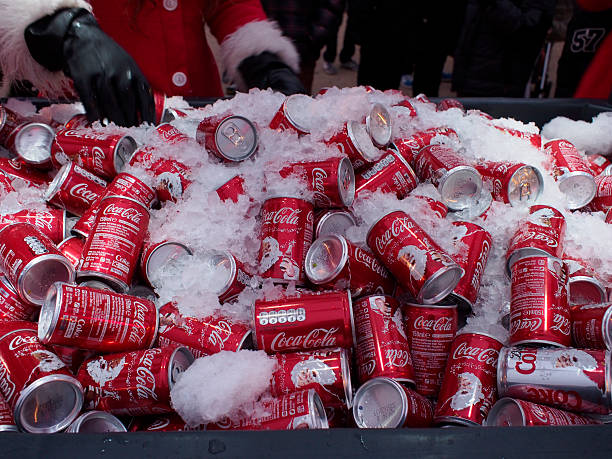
602, 201
410, 147
390, 174
50, 222
172, 177
11, 306
16, 169
232, 189
588, 324
77, 191
598, 164
434, 161
72, 249
541, 415
534, 139
565, 158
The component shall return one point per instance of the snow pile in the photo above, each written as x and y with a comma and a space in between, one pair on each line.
222, 385
593, 137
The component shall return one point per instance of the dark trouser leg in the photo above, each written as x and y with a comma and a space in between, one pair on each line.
428, 73
378, 69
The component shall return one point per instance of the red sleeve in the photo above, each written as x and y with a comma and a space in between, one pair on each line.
227, 16
595, 5
596, 82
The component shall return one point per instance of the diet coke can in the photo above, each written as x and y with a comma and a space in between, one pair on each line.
512, 183
592, 325
134, 383
31, 262
293, 115
383, 403
431, 330
232, 189
201, 336
353, 141
96, 320
11, 306
111, 253
72, 249
414, 259
50, 222
333, 221
390, 174
600, 165
74, 189
43, 394
382, 344
286, 235
232, 274
305, 322
334, 262
469, 386
410, 147
229, 138
515, 412
570, 379
155, 255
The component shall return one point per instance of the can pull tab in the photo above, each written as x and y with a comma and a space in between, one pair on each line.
525, 191
232, 133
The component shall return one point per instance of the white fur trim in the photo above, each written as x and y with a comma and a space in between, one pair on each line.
15, 59
252, 39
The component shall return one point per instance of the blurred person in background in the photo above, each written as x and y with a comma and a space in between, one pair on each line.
309, 24
348, 46
113, 60
498, 45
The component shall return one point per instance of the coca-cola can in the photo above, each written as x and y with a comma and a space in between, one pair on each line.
382, 344
74, 189
541, 234
602, 202
571, 379
378, 124
31, 262
162, 113
479, 207
383, 403
353, 141
583, 284
11, 305
232, 189
437, 207
333, 221
293, 114
31, 142
298, 410
172, 177
233, 276
286, 235
448, 103
600, 165
72, 249
50, 222
327, 371
572, 171
390, 174
111, 253
332, 180
469, 388
9, 121
415, 260
410, 147
473, 262
336, 263
201, 336
17, 169
517, 184
405, 107
97, 320
43, 394
305, 322
133, 383
539, 310
156, 255
515, 412
7, 421
531, 137
102, 154
77, 121
592, 325
431, 330
71, 356
96, 422
230, 138
170, 422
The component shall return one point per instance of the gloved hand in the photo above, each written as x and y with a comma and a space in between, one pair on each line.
266, 70
107, 79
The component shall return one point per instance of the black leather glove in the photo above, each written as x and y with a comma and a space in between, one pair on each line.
107, 79
266, 70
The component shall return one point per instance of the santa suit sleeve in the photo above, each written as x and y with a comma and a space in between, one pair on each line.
243, 30
15, 59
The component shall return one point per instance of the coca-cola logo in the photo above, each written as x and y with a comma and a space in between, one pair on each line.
486, 355
82, 191
367, 368
220, 334
480, 264
539, 413
124, 212
19, 341
84, 135
372, 263
399, 225
561, 324
317, 338
138, 329
159, 424
145, 379
7, 387
525, 324
318, 176
398, 358
37, 247
98, 158
525, 236
435, 324
15, 164
284, 215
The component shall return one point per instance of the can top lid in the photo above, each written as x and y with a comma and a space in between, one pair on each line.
49, 312
362, 141
93, 283
460, 187
440, 284
345, 369
478, 207
33, 143
380, 403
326, 258
579, 188
181, 359
505, 413
124, 150
334, 222
378, 124
57, 181
317, 411
236, 138
525, 186
96, 422
606, 327
221, 266
346, 181
40, 273
297, 109
162, 255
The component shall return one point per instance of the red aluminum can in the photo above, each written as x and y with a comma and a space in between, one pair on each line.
539, 311
333, 221
133, 383
172, 177
123, 184
327, 371
9, 120
569, 379
459, 183
390, 174
162, 113
512, 183
332, 180
232, 189
592, 325
572, 171
378, 124
11, 306
201, 336
533, 138
16, 169
354, 141
31, 262
43, 394
382, 344
600, 165
7, 421
410, 147
230, 138
583, 284
102, 154
541, 234
305, 322
405, 107
170, 422
155, 255
111, 253
72, 249
602, 202
448, 103
71, 356
438, 208
50, 222
298, 410
515, 412
337, 415
293, 115
232, 274
97, 320
431, 330
286, 235
6, 185
78, 121
473, 262
469, 387
383, 403
31, 142
414, 259
334, 262
96, 422
74, 189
